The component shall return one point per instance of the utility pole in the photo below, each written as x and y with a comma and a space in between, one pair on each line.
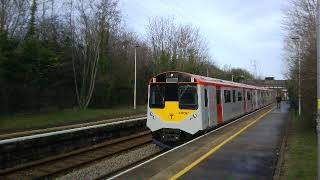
135, 78
318, 82
297, 38
299, 61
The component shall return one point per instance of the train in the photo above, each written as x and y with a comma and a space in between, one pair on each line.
182, 105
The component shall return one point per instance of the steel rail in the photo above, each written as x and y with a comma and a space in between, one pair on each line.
97, 152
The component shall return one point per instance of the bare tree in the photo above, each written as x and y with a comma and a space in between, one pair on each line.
300, 20
90, 24
174, 46
161, 32
14, 16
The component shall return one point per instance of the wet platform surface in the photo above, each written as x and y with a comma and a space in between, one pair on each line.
252, 154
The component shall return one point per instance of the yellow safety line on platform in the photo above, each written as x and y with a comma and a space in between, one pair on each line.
203, 157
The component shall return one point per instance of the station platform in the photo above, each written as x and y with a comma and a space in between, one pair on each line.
245, 149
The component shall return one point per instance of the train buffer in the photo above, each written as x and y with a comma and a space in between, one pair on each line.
245, 149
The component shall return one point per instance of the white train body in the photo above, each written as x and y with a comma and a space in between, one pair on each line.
182, 104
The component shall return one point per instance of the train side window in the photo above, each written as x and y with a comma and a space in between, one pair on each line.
218, 93
205, 98
239, 96
248, 95
227, 96
234, 95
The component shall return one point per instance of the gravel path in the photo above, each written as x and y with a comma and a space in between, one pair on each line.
109, 165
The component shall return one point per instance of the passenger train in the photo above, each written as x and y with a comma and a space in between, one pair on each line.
182, 105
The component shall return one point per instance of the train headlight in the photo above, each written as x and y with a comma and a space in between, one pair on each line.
195, 115
151, 114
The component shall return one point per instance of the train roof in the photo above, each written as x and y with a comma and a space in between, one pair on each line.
183, 77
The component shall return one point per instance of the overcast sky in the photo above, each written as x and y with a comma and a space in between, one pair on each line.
238, 31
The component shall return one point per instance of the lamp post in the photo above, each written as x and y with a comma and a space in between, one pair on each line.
135, 78
297, 38
318, 82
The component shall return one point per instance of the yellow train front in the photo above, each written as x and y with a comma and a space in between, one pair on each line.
180, 105
173, 110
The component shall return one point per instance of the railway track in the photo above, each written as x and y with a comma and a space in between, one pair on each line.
62, 164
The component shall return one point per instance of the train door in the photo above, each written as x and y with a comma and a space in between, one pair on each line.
239, 101
244, 95
262, 98
219, 104
252, 100
258, 98
249, 100
211, 106
206, 108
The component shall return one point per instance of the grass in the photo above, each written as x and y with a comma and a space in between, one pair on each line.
301, 155
20, 122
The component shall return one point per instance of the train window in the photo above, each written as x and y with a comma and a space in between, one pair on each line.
234, 95
205, 98
188, 97
239, 96
218, 93
227, 96
156, 99
248, 95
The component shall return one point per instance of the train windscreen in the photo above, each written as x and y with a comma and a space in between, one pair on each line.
156, 99
185, 94
188, 98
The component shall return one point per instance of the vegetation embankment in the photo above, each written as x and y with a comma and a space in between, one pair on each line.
62, 54
299, 24
300, 159
18, 122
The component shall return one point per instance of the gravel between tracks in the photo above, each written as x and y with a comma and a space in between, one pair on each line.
112, 164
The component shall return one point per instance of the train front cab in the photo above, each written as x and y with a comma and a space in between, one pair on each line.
173, 110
